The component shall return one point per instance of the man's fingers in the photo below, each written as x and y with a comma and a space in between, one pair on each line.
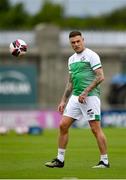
61, 109
81, 99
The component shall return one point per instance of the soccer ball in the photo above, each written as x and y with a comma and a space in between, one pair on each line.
3, 130
18, 47
21, 130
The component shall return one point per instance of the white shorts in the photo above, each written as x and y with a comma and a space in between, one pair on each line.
90, 110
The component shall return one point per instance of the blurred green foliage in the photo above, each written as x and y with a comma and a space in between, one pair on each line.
15, 17
12, 17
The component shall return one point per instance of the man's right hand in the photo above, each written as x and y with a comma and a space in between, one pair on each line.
61, 107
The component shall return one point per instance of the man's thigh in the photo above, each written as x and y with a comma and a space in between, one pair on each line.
73, 108
91, 109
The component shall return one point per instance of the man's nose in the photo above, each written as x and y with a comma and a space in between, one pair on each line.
76, 43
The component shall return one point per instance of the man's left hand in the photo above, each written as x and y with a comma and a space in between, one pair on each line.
82, 97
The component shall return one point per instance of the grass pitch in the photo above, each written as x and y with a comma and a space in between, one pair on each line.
23, 156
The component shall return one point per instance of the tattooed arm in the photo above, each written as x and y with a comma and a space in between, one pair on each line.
98, 79
66, 95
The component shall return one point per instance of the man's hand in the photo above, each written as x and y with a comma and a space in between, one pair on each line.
82, 97
61, 107
98, 79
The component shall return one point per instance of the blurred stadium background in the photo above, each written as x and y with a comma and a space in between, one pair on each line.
31, 86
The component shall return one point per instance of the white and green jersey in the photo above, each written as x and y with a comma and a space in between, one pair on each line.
81, 67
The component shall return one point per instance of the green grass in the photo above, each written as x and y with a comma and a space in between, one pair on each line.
23, 157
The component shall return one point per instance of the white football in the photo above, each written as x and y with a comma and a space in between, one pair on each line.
3, 130
21, 130
18, 47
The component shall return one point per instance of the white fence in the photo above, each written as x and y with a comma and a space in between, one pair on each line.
98, 38
92, 38
6, 37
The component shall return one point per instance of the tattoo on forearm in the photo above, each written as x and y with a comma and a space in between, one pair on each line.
98, 79
68, 89
67, 93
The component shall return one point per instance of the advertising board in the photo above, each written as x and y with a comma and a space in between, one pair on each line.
18, 84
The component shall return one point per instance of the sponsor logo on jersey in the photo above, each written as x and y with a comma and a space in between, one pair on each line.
83, 58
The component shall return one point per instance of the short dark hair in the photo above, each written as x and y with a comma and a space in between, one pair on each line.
74, 33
